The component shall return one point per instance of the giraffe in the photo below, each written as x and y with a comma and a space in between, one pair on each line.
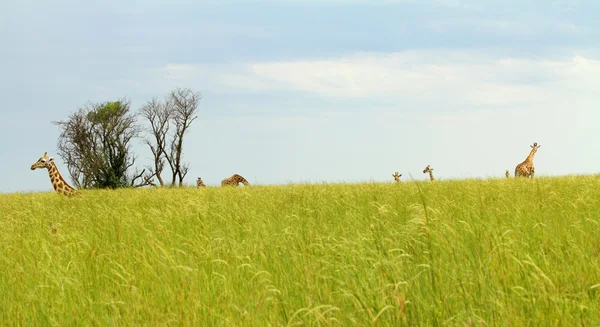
526, 168
429, 170
58, 182
234, 181
507, 174
397, 177
200, 183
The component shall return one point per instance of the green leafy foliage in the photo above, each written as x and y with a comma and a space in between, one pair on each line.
95, 143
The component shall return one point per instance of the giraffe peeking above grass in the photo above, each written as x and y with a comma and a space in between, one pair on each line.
234, 180
526, 168
507, 174
397, 177
429, 170
58, 182
200, 183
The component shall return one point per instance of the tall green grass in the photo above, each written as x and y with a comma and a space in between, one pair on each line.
500, 252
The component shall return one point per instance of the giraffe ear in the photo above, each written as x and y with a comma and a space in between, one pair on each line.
50, 159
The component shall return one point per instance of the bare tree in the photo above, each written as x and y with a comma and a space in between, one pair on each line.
146, 179
95, 144
183, 105
158, 115
74, 144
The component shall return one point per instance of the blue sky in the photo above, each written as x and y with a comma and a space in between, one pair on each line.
311, 91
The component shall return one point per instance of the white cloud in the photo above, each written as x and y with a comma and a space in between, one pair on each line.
455, 78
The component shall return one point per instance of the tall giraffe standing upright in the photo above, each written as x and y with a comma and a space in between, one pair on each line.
234, 180
429, 170
58, 182
397, 177
507, 174
526, 168
200, 183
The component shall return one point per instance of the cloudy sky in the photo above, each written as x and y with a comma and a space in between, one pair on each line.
311, 91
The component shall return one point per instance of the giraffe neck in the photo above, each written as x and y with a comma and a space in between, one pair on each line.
58, 182
240, 179
431, 175
530, 156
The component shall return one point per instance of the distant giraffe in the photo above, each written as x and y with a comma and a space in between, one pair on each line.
507, 174
429, 170
234, 180
397, 177
526, 168
58, 182
200, 183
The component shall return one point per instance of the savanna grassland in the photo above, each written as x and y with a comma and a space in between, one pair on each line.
498, 252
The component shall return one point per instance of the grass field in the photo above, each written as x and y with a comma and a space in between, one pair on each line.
449, 253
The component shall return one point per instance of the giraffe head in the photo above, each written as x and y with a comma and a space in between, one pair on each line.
507, 174
396, 176
200, 183
427, 169
43, 162
535, 146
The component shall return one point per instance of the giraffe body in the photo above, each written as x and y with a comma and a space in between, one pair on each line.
234, 180
526, 168
429, 170
200, 183
397, 177
58, 182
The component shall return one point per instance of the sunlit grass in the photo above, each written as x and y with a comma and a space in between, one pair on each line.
497, 252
